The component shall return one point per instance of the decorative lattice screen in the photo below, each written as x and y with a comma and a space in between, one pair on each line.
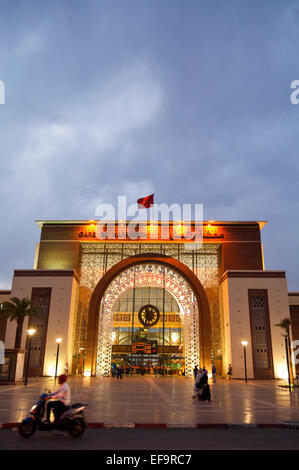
97, 258
40, 298
149, 275
260, 330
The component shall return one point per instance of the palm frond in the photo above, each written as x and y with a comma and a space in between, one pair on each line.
17, 309
285, 324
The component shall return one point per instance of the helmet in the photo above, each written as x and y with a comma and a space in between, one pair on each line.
62, 378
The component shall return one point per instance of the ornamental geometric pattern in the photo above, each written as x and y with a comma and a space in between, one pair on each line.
40, 298
153, 275
98, 258
260, 333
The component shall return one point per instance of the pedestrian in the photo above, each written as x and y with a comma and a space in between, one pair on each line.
195, 370
205, 370
204, 388
119, 373
230, 371
214, 373
197, 385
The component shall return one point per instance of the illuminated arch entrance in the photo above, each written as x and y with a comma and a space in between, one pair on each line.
153, 275
152, 270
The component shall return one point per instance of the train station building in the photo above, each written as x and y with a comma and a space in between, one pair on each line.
153, 306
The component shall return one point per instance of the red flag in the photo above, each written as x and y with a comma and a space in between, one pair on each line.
145, 202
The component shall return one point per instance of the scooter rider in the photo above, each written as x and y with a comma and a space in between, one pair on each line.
62, 399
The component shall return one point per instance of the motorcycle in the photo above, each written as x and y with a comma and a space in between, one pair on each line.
72, 420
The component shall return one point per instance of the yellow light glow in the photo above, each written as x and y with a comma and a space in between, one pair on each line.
177, 229
87, 373
182, 229
31, 331
244, 343
175, 337
58, 340
153, 231
281, 371
210, 229
51, 371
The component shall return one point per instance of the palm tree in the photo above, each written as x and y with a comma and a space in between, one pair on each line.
285, 324
17, 310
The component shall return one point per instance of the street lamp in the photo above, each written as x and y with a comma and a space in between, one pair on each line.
244, 344
58, 341
286, 338
83, 351
30, 332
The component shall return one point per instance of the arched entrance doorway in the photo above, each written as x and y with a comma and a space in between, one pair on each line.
148, 269
152, 341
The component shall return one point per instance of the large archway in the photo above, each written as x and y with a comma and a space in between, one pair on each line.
155, 259
155, 276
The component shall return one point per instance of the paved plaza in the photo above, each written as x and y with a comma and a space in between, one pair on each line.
161, 400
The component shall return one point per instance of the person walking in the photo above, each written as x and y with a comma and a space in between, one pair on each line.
204, 388
197, 384
230, 371
195, 370
119, 373
214, 373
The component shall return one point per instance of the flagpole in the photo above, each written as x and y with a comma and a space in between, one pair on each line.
132, 328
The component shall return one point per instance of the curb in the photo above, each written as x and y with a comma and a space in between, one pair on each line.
179, 425
212, 425
8, 425
95, 425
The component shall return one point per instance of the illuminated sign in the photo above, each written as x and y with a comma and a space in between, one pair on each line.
139, 347
209, 231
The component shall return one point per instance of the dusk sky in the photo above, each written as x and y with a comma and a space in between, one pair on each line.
188, 99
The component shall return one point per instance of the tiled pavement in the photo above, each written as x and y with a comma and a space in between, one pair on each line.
162, 400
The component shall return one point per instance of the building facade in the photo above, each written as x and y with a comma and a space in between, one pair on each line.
154, 306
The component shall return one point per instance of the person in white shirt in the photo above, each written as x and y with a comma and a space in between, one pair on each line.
62, 399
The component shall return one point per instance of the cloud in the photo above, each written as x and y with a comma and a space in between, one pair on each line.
128, 102
102, 122
191, 103
29, 44
52, 171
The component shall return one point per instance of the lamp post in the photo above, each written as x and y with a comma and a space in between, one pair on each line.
286, 339
30, 332
244, 344
82, 350
58, 341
